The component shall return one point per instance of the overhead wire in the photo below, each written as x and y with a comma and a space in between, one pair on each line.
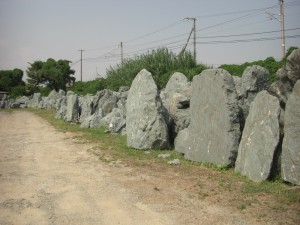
109, 56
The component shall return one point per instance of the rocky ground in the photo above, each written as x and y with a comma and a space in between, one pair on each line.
46, 177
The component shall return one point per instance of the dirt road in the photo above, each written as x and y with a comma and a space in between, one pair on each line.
48, 178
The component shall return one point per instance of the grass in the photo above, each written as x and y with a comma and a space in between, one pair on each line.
113, 147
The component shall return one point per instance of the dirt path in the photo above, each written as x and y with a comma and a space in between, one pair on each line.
47, 178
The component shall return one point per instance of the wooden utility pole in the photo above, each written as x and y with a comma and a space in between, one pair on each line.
81, 64
194, 30
282, 27
122, 55
194, 39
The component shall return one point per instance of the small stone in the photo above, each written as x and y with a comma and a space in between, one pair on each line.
174, 162
163, 156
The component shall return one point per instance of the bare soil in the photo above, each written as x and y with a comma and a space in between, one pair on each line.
47, 177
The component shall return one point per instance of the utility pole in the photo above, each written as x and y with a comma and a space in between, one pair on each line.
194, 30
122, 55
81, 64
282, 27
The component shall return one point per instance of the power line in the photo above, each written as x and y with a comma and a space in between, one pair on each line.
154, 32
248, 40
248, 34
110, 56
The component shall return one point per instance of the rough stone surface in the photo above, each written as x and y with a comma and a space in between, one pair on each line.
34, 102
145, 125
115, 121
260, 138
290, 158
106, 100
254, 80
238, 85
85, 107
214, 130
287, 77
72, 107
61, 106
176, 84
22, 100
164, 156
181, 140
176, 100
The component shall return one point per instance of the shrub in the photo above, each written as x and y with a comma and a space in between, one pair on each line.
162, 63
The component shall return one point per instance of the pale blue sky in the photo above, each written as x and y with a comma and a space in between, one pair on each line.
40, 29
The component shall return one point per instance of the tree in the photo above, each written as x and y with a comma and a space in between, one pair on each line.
53, 74
10, 79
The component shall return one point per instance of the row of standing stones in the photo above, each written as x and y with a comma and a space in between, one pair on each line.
246, 122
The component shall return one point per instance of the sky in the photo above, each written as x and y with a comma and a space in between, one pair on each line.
227, 32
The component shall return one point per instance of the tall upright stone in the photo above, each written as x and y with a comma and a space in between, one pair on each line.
260, 138
146, 128
254, 80
214, 131
85, 107
176, 100
290, 158
72, 107
287, 77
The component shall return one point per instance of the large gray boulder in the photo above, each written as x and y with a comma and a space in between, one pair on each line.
53, 99
35, 100
181, 140
287, 77
115, 121
93, 121
145, 125
260, 138
4, 102
72, 107
214, 131
106, 100
61, 106
254, 79
176, 100
85, 107
290, 158
23, 101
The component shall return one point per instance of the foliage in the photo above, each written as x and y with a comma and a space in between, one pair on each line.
89, 87
10, 79
53, 74
269, 63
162, 63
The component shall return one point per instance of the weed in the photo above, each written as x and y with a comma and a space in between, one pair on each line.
242, 206
215, 166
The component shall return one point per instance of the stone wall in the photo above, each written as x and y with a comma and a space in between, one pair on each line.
246, 122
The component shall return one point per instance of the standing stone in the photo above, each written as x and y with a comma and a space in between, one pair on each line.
34, 102
254, 80
72, 107
214, 130
86, 107
61, 106
106, 100
115, 121
290, 158
287, 77
176, 100
93, 121
146, 128
260, 138
181, 140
